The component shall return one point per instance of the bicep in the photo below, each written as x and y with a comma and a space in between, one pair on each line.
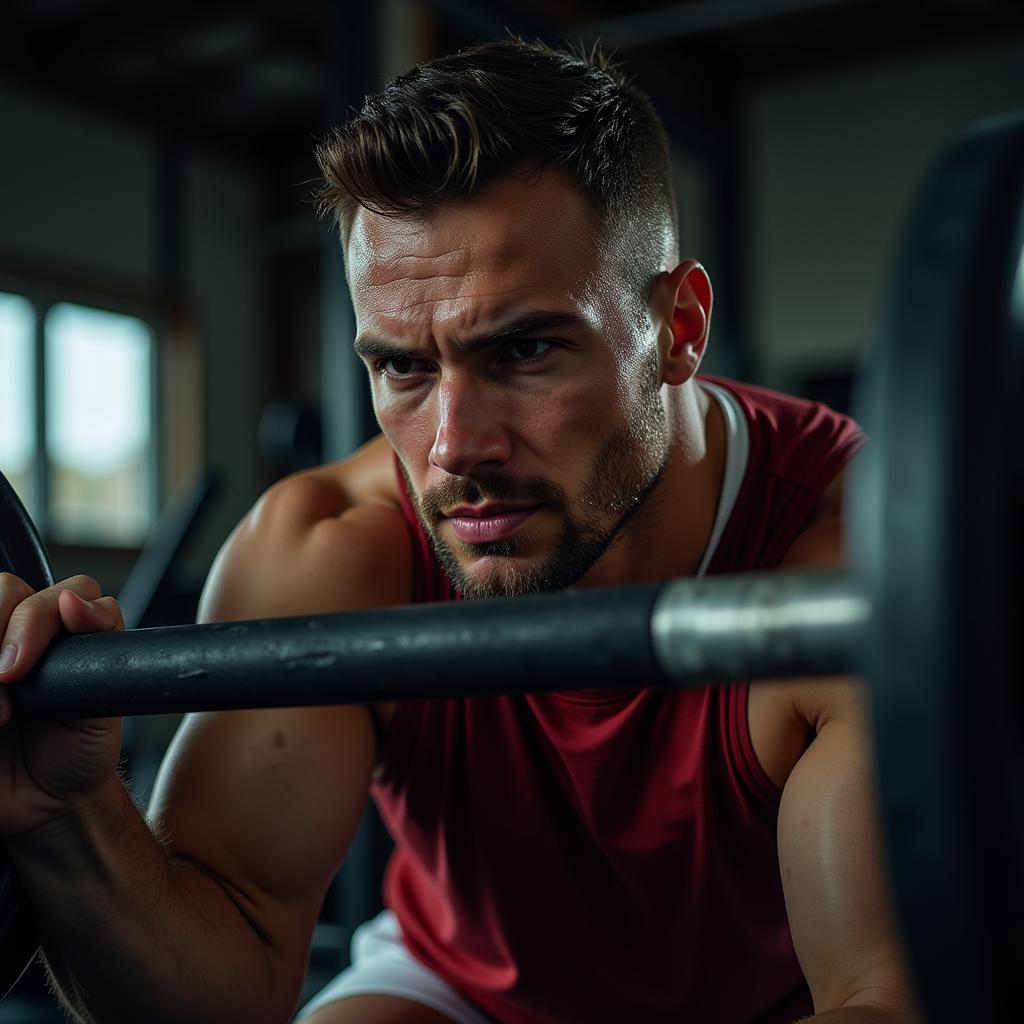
831, 857
267, 802
833, 871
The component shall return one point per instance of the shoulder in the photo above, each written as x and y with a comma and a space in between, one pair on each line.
774, 413
328, 539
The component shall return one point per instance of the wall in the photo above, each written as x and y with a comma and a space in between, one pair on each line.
224, 282
836, 161
78, 197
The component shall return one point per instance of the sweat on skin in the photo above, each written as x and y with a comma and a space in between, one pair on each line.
512, 364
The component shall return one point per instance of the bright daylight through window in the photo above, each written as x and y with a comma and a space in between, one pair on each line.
17, 396
97, 483
98, 425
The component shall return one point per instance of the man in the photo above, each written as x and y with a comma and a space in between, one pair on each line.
533, 341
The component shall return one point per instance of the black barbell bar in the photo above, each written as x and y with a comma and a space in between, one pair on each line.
687, 632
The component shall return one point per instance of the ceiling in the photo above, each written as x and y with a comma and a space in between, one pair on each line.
253, 78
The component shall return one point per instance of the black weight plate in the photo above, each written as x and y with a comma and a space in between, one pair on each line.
21, 553
937, 545
21, 548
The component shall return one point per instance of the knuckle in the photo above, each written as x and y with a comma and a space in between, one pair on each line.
81, 584
13, 585
36, 605
33, 605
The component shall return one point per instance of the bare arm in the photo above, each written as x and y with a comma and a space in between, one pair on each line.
834, 874
255, 809
130, 934
830, 850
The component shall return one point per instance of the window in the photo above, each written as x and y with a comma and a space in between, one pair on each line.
17, 395
99, 425
77, 416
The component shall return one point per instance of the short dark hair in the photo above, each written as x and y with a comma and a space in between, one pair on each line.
456, 124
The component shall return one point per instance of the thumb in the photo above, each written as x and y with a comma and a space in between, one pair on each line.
82, 616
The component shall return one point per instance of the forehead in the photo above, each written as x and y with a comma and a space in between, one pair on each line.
525, 240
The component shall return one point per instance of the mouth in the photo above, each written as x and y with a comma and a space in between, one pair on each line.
485, 524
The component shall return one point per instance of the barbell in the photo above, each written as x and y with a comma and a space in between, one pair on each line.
927, 615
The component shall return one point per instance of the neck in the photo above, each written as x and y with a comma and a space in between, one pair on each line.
669, 532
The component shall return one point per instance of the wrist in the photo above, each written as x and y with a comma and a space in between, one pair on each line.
100, 809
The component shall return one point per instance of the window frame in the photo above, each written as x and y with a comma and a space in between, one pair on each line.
174, 367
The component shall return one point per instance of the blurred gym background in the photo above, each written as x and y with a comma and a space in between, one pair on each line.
174, 325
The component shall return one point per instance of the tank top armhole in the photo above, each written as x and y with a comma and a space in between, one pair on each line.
747, 766
838, 460
397, 746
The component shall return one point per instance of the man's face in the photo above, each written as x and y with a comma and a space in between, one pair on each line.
516, 377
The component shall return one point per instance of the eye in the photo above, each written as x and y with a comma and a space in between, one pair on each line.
526, 349
399, 367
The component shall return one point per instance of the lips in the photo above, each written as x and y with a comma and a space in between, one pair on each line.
488, 523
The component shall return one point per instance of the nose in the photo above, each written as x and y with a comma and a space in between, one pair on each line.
469, 433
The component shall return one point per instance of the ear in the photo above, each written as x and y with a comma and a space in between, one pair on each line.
681, 304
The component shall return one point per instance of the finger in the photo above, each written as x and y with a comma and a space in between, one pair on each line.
34, 623
83, 616
13, 591
84, 586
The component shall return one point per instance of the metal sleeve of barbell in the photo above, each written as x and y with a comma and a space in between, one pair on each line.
686, 633
759, 626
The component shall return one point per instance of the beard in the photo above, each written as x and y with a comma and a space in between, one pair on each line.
619, 483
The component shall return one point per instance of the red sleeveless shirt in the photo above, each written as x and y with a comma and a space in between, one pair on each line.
610, 857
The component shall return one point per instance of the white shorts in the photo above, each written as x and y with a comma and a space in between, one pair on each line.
381, 965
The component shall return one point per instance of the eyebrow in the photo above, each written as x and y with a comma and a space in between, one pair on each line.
526, 325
